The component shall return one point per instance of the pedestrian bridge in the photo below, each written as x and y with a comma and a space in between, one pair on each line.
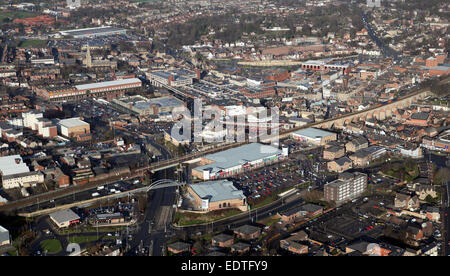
163, 183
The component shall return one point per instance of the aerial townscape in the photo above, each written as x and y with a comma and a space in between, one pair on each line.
224, 128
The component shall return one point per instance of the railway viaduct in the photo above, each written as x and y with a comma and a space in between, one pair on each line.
380, 112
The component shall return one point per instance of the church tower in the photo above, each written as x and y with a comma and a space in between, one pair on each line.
88, 59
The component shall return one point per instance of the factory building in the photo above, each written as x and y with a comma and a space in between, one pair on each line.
233, 161
108, 89
141, 106
93, 32
216, 195
15, 173
74, 127
314, 136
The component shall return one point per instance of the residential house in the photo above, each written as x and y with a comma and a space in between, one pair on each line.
333, 152
222, 240
240, 248
404, 201
179, 247
340, 165
356, 144
247, 232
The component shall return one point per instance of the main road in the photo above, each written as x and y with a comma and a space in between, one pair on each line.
251, 216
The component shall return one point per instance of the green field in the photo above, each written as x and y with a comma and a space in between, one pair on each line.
84, 239
32, 43
14, 15
51, 246
185, 219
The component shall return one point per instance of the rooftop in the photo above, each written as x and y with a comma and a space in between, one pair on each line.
64, 216
420, 116
247, 229
12, 164
238, 156
92, 31
217, 190
222, 238
72, 122
182, 246
314, 133
107, 84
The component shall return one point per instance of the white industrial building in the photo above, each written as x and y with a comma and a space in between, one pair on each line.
72, 126
4, 236
94, 32
233, 161
314, 136
64, 218
15, 173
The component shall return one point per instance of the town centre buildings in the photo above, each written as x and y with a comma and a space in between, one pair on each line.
236, 160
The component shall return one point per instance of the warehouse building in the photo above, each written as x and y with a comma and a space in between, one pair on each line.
94, 32
141, 106
108, 89
314, 136
64, 218
74, 127
216, 195
233, 161
15, 173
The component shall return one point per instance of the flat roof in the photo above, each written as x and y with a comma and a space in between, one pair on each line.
64, 216
162, 102
336, 183
8, 165
239, 156
72, 122
313, 133
107, 84
92, 31
217, 190
420, 116
247, 229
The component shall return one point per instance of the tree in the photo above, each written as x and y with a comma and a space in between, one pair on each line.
441, 176
429, 199
313, 196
